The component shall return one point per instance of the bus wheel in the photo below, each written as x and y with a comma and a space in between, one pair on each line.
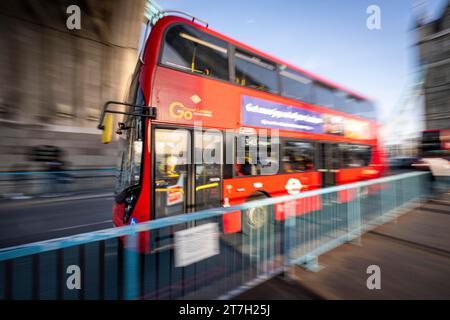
254, 224
254, 219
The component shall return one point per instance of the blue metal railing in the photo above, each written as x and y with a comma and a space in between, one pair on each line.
293, 230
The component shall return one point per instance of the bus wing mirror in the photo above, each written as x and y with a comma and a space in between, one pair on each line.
106, 117
107, 129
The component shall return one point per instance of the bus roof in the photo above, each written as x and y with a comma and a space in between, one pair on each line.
167, 20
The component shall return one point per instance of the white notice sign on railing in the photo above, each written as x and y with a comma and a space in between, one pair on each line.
195, 244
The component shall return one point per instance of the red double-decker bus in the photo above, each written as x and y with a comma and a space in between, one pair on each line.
189, 74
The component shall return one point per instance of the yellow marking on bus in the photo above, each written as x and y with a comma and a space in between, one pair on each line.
168, 189
206, 186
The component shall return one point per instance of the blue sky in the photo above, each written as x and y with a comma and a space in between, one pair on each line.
326, 37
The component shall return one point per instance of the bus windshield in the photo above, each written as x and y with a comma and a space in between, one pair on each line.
130, 150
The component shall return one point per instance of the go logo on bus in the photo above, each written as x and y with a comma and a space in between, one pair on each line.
177, 110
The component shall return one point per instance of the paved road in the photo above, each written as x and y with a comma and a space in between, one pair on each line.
30, 221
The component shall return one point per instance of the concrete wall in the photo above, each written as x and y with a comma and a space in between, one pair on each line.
53, 81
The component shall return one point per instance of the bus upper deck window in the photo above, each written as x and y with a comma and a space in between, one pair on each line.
295, 85
365, 109
191, 50
341, 101
371, 112
255, 72
324, 96
352, 105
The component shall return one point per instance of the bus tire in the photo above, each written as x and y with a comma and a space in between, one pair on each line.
254, 219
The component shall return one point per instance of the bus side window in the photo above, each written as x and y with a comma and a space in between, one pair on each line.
342, 101
256, 156
256, 73
268, 155
364, 109
323, 95
245, 156
191, 50
354, 155
295, 85
298, 156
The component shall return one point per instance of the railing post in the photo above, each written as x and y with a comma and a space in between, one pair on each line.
287, 233
354, 219
131, 268
289, 225
385, 201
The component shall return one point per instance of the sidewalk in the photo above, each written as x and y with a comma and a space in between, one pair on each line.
413, 253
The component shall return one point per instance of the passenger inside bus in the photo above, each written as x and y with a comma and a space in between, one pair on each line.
168, 167
244, 169
295, 162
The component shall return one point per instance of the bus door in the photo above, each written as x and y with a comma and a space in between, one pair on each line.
208, 170
172, 158
170, 188
328, 163
187, 171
